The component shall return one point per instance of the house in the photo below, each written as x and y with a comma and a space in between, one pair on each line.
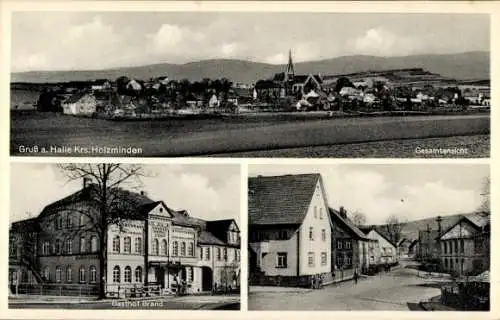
387, 250
269, 90
214, 101
154, 245
349, 246
465, 246
289, 230
80, 104
100, 85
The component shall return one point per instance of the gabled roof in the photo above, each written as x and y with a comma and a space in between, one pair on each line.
367, 230
477, 220
76, 97
350, 226
275, 200
220, 224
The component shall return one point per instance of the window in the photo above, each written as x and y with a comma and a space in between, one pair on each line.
175, 249
116, 244
443, 247
138, 274
127, 245
58, 247
93, 244
347, 244
218, 254
207, 253
446, 264
69, 275
127, 274
58, 222
235, 254
190, 274
93, 274
281, 260
45, 247
348, 260
311, 234
283, 235
46, 274
82, 219
339, 244
183, 249
69, 221
321, 213
58, 274
82, 245
154, 248
310, 259
462, 245
69, 246
225, 254
201, 253
324, 258
340, 260
456, 246
116, 274
315, 212
81, 274
323, 234
138, 245
164, 247
191, 249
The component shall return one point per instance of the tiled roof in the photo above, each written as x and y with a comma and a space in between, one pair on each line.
75, 97
208, 238
352, 228
284, 199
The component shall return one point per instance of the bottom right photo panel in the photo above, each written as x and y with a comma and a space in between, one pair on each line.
412, 236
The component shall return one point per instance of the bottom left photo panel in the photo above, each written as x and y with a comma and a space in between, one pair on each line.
124, 236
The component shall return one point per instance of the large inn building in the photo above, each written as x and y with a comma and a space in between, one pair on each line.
59, 246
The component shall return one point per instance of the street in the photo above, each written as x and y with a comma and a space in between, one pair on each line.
165, 303
400, 289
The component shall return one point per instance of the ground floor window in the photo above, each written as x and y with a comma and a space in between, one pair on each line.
127, 275
81, 275
93, 274
281, 260
58, 274
190, 274
116, 274
138, 274
310, 259
69, 274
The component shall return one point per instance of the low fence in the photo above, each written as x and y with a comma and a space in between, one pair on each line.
77, 290
288, 281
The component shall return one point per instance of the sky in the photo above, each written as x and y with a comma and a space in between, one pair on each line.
101, 40
207, 191
409, 191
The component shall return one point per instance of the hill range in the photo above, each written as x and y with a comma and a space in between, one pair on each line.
460, 66
410, 229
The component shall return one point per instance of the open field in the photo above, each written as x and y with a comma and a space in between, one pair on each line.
225, 136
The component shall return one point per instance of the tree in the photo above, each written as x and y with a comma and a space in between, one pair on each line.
102, 205
121, 85
393, 228
343, 82
359, 218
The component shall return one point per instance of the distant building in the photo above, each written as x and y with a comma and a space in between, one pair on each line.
289, 230
80, 104
387, 250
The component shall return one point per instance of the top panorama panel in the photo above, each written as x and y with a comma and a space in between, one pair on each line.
238, 84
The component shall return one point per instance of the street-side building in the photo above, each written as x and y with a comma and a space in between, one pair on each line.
387, 249
289, 229
349, 246
150, 244
465, 246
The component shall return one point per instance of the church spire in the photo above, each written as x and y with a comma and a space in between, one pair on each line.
290, 72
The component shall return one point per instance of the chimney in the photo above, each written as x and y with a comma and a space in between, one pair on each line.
343, 212
86, 182
438, 220
143, 193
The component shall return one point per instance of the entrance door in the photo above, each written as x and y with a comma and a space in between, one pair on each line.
206, 278
160, 276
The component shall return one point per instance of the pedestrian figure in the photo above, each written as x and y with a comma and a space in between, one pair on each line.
355, 276
312, 282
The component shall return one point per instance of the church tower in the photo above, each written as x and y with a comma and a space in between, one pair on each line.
289, 74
